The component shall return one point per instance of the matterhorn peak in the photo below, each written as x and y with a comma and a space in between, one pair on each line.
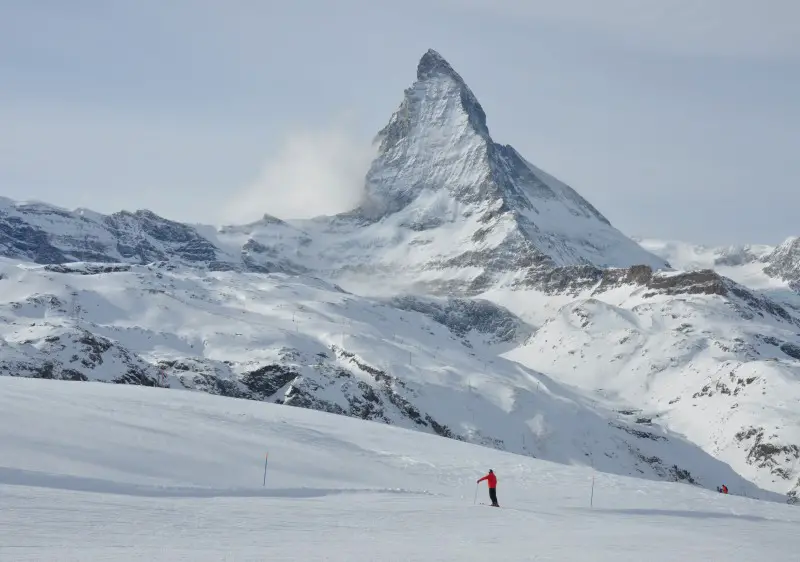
437, 165
433, 64
439, 98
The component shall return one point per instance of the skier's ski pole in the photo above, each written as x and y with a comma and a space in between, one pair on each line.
476, 494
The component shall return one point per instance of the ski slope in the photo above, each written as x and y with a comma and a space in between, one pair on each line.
94, 471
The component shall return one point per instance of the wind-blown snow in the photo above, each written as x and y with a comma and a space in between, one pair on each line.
103, 472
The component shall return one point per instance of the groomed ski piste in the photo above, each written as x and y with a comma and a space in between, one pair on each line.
95, 471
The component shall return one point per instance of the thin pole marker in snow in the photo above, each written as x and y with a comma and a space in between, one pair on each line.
591, 460
266, 458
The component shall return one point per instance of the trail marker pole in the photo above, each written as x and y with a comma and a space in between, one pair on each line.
266, 459
591, 499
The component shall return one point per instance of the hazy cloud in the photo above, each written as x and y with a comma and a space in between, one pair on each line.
315, 172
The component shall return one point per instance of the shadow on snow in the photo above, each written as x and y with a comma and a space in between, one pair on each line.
16, 477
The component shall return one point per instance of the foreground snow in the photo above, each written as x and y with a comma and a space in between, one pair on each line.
104, 472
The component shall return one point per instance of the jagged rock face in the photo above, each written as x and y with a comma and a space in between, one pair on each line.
784, 262
579, 280
145, 237
74, 355
436, 141
49, 235
462, 316
18, 239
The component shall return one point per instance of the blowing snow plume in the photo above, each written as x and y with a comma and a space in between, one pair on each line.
315, 172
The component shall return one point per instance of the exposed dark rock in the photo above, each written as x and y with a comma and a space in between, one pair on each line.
264, 382
89, 269
791, 350
19, 239
764, 454
681, 475
639, 433
461, 316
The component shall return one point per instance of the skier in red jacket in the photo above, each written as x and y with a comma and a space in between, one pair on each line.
491, 479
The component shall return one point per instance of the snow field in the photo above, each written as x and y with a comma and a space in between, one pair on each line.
92, 471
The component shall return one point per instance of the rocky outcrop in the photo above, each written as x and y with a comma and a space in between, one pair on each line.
784, 261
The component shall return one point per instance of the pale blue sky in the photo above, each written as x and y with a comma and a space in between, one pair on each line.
677, 122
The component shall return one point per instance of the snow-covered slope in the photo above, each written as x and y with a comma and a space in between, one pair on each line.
420, 363
101, 472
692, 352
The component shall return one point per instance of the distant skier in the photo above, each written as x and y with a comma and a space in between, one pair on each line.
491, 479
723, 490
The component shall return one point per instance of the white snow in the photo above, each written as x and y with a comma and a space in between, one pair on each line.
744, 264
627, 379
92, 471
228, 324
690, 363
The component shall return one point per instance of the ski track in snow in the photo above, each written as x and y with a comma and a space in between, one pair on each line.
101, 485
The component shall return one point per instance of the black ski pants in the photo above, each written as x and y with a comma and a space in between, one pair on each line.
493, 495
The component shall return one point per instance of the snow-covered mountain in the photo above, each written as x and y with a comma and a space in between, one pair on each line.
445, 208
470, 295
